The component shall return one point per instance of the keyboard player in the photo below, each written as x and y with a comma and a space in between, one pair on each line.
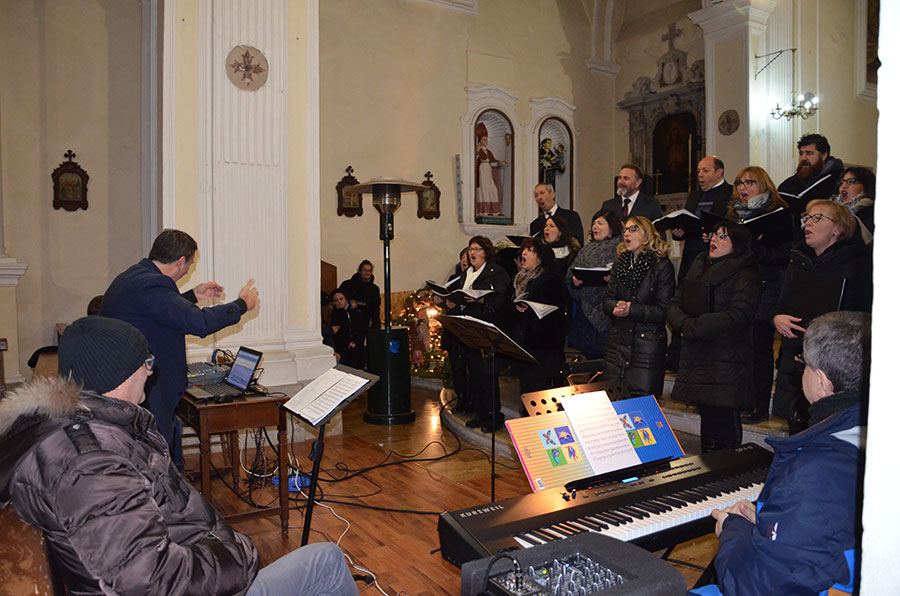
804, 532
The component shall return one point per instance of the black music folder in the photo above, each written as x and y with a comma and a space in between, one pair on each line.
814, 294
476, 334
775, 227
592, 276
684, 219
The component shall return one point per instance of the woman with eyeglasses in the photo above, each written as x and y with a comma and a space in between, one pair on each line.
641, 284
543, 337
754, 195
832, 258
856, 191
472, 378
590, 325
713, 311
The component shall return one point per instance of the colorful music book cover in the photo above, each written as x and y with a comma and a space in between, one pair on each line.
551, 454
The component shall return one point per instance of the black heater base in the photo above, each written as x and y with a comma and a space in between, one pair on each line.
389, 404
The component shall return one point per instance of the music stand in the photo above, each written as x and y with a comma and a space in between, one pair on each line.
547, 401
487, 338
318, 446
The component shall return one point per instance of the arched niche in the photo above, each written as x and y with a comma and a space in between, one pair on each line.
551, 118
493, 107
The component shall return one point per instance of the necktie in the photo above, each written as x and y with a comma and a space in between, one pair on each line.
625, 207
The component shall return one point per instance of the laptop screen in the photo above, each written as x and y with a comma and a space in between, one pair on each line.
242, 370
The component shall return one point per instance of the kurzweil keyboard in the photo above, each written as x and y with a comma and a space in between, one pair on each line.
661, 509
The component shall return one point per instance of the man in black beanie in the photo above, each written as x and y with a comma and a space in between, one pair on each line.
80, 460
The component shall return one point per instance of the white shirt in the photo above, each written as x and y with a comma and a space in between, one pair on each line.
548, 214
471, 276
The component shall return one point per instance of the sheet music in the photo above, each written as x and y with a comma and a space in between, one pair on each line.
323, 394
599, 431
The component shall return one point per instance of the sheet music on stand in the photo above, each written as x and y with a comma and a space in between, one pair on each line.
481, 335
329, 393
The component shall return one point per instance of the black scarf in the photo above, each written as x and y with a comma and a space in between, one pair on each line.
632, 270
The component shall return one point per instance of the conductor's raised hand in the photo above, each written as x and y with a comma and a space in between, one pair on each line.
249, 294
209, 290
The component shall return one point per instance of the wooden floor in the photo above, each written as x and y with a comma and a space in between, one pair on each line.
395, 536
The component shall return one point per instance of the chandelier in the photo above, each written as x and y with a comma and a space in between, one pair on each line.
804, 106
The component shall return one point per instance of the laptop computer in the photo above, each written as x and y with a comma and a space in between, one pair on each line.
238, 380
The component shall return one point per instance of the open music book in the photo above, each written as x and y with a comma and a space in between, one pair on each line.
683, 219
459, 296
591, 436
539, 308
329, 393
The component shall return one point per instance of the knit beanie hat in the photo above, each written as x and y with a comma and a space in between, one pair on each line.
100, 353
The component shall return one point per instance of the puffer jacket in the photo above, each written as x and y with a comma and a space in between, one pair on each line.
850, 259
716, 366
95, 476
636, 348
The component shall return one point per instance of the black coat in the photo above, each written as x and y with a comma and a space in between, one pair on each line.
366, 295
636, 348
850, 259
572, 219
352, 324
493, 277
798, 192
644, 205
543, 338
716, 367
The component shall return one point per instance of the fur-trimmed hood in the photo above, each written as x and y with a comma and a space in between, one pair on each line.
45, 397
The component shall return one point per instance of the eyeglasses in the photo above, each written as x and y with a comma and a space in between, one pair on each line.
815, 217
800, 359
719, 235
632, 228
849, 181
747, 182
149, 362
476, 248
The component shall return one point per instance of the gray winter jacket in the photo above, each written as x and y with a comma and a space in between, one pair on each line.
95, 476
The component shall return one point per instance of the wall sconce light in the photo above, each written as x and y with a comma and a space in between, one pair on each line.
804, 106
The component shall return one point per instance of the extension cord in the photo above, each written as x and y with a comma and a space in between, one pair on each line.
296, 483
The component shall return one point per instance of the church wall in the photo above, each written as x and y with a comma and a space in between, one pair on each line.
393, 79
637, 47
71, 80
827, 65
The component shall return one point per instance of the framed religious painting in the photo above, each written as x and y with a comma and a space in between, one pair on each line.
494, 151
429, 199
555, 159
349, 204
70, 185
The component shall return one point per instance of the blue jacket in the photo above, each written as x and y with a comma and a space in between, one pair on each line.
808, 524
149, 300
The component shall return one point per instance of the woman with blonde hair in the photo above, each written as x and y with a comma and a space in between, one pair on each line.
832, 253
641, 284
754, 195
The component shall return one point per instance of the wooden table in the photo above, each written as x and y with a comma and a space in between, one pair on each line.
208, 418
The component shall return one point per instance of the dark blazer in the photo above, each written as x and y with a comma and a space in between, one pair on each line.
572, 219
149, 300
720, 197
644, 205
494, 277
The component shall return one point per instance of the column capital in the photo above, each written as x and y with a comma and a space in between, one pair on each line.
731, 18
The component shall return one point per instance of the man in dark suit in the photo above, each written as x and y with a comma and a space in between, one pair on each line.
629, 200
818, 173
545, 197
713, 195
